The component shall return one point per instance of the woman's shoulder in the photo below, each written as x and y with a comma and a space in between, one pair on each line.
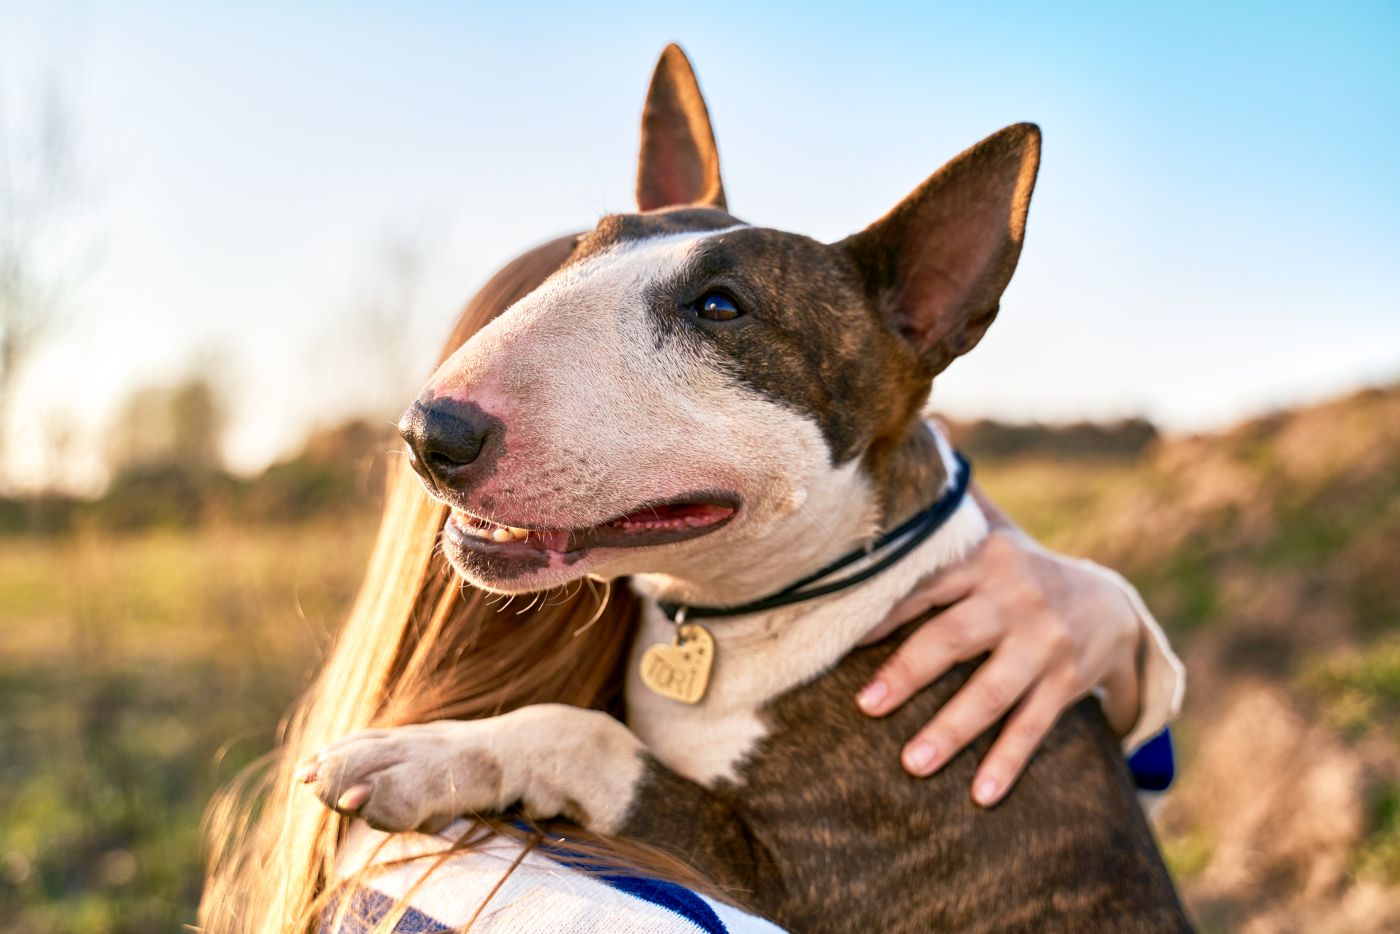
430, 887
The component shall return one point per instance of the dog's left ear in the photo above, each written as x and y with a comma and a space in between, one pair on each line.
679, 163
937, 264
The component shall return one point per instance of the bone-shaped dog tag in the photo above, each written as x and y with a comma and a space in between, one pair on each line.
680, 670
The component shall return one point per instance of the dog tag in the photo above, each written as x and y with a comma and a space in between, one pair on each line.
680, 670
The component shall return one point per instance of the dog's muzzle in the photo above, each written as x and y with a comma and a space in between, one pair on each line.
447, 441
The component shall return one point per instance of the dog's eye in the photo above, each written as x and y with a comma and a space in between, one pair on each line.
716, 306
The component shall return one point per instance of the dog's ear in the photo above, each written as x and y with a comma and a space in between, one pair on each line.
937, 264
679, 162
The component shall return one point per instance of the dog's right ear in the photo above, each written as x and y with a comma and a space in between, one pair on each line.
679, 162
936, 265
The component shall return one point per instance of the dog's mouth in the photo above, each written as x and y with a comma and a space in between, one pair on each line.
648, 525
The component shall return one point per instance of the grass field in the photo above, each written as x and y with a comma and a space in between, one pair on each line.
137, 673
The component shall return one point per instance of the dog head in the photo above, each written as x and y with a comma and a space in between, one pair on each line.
693, 396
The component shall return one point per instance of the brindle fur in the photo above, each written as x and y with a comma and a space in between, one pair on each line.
823, 831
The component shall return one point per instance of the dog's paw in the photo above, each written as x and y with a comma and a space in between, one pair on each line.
419, 777
553, 759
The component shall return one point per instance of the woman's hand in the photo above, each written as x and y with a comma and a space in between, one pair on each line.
1056, 629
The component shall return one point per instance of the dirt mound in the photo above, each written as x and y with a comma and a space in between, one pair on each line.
1271, 554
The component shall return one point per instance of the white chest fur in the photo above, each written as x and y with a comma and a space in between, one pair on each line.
760, 656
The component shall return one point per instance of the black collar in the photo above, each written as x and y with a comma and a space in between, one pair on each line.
899, 541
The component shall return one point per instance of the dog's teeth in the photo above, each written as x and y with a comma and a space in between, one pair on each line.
501, 535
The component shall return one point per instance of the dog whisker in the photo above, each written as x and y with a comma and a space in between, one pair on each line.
602, 605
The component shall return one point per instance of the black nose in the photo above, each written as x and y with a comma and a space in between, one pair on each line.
446, 438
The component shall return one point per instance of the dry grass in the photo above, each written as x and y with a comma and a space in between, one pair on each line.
137, 673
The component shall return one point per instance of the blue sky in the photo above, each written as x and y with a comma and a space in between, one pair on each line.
1216, 228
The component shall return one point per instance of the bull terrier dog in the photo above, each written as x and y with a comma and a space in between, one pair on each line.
730, 416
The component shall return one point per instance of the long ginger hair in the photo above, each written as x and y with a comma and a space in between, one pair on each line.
418, 645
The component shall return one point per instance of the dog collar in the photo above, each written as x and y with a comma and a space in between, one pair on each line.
895, 544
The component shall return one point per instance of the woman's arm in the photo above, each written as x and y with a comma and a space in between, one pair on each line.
1057, 629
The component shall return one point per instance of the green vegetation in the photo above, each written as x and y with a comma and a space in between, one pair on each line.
1184, 589
1358, 690
1379, 853
1188, 855
138, 673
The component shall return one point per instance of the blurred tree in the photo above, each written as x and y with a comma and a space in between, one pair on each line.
1125, 440
158, 427
340, 467
36, 185
165, 455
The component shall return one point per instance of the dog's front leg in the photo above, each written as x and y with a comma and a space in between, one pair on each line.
672, 812
555, 760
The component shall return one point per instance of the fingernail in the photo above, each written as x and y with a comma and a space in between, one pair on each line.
872, 694
918, 758
353, 799
985, 793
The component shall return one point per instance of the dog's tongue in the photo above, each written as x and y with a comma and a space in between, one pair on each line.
677, 516
666, 519
557, 540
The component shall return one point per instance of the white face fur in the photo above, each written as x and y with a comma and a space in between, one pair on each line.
605, 408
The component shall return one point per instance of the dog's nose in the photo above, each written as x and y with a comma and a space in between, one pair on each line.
445, 438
